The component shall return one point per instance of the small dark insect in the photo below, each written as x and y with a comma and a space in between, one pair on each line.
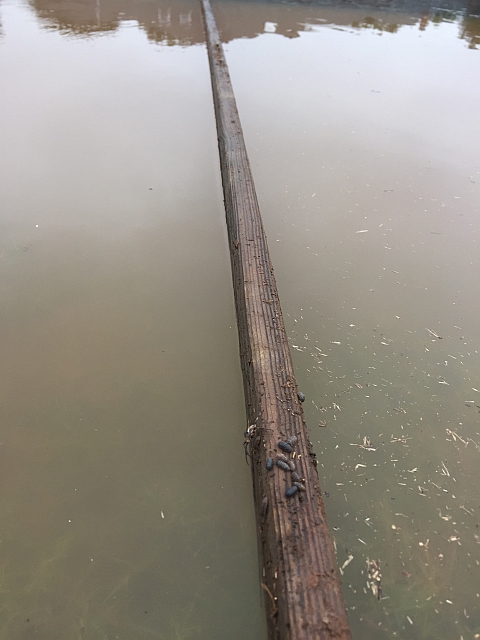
269, 464
291, 464
283, 465
284, 446
264, 507
296, 476
280, 456
291, 491
300, 486
292, 441
301, 396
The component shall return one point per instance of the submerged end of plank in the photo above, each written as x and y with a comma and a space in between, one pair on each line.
299, 574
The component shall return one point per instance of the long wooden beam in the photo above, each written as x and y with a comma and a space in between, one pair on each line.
299, 574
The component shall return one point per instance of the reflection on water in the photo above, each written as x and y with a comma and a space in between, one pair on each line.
180, 22
126, 502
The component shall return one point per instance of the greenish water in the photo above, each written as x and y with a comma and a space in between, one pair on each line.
125, 502
364, 147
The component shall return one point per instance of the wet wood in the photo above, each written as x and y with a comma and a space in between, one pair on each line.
299, 575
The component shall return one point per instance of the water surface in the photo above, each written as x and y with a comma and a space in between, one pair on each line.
365, 154
126, 505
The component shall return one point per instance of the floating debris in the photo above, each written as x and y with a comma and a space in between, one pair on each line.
402, 439
444, 471
346, 563
456, 437
432, 333
367, 444
375, 578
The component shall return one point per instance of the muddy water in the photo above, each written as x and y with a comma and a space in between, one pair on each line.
126, 507
125, 504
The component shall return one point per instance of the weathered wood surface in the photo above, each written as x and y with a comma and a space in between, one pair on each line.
299, 574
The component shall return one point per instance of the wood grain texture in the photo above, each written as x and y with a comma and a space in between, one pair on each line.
299, 574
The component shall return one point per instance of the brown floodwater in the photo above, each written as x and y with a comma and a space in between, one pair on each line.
125, 502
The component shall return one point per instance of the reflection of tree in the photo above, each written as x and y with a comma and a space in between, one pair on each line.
444, 15
469, 20
471, 31
377, 24
470, 24
174, 22
95, 17
79, 18
424, 21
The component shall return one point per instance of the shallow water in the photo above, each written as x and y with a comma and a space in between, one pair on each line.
126, 505
368, 171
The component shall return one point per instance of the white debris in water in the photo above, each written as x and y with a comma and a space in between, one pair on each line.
346, 563
270, 27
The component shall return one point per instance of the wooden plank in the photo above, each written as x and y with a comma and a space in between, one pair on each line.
299, 574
